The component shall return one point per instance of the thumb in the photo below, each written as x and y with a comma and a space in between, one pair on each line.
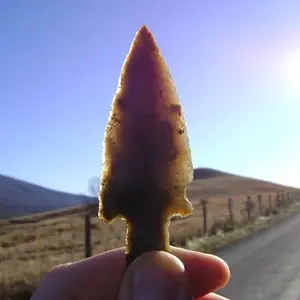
155, 275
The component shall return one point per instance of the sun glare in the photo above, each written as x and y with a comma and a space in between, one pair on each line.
291, 70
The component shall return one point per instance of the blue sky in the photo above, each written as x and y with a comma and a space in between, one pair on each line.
235, 64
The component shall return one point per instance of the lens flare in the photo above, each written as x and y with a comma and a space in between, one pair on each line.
291, 72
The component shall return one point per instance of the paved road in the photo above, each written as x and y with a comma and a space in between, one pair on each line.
267, 265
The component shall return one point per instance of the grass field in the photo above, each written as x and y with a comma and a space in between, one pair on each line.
31, 245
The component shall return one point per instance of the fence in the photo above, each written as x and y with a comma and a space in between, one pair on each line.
236, 212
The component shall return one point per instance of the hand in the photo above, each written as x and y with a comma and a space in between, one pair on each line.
154, 275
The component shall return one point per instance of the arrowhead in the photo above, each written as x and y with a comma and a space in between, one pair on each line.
146, 148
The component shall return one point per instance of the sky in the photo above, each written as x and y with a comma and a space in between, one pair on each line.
235, 65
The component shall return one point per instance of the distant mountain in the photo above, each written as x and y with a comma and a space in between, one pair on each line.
204, 173
210, 182
18, 198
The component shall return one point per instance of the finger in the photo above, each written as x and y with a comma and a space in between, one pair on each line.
206, 273
155, 275
101, 275
212, 296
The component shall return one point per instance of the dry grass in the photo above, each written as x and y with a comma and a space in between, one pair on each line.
211, 244
31, 245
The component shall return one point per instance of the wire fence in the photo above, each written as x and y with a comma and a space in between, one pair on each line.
213, 214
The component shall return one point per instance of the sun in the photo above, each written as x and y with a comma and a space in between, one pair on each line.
291, 72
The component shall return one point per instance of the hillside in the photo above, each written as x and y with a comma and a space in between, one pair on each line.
19, 198
204, 173
209, 182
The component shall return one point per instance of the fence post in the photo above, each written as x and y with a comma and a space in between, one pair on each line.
259, 204
288, 198
277, 199
230, 210
248, 207
87, 235
282, 195
270, 201
204, 211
